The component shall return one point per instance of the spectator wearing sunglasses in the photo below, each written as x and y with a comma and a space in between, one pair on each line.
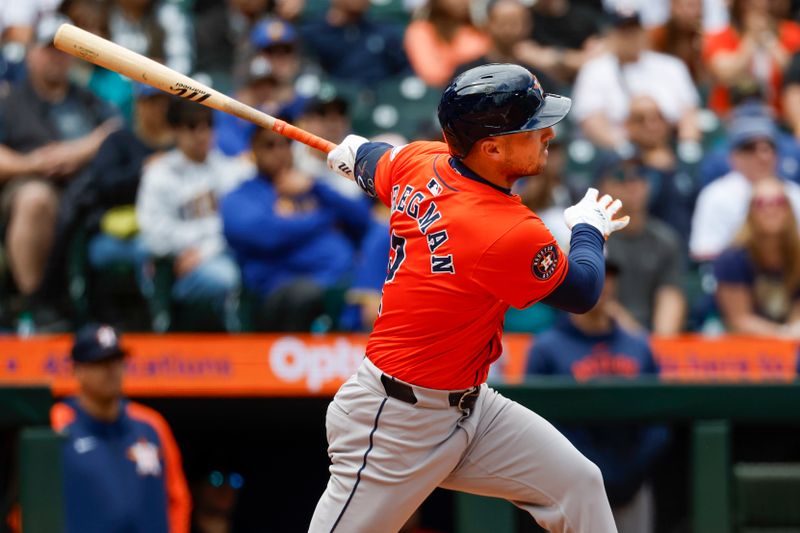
758, 277
722, 205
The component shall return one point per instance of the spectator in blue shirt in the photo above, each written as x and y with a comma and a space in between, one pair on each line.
717, 162
292, 236
591, 346
351, 47
122, 467
372, 263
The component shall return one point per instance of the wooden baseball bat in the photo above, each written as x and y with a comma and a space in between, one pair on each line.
95, 49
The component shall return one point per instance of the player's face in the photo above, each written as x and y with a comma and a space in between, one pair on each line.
101, 381
525, 153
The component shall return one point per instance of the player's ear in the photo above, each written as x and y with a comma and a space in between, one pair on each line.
489, 146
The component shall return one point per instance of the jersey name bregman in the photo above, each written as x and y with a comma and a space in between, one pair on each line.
409, 203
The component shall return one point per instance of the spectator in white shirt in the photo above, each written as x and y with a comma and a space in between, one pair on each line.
722, 205
177, 210
605, 85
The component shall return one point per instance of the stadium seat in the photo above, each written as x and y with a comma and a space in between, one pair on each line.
404, 105
109, 295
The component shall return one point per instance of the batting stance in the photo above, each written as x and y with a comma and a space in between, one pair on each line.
418, 413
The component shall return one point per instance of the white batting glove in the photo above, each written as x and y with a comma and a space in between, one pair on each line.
342, 159
597, 213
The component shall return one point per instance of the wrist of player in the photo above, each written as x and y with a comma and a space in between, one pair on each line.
598, 213
342, 159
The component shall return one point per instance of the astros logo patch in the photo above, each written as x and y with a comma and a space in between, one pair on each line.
545, 262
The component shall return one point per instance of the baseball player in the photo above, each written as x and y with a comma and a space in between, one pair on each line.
418, 414
122, 466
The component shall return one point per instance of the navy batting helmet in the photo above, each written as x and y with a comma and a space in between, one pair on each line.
496, 99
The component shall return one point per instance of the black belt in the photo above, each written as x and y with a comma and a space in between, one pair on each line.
401, 391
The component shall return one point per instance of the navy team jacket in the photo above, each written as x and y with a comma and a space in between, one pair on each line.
123, 476
626, 453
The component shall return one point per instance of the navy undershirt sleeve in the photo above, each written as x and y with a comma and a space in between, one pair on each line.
581, 287
367, 159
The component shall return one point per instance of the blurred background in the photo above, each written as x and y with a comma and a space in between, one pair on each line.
243, 276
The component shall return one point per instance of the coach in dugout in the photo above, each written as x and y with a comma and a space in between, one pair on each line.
122, 467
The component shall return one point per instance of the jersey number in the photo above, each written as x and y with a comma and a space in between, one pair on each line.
399, 247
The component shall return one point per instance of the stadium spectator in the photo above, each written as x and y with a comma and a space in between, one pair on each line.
325, 115
594, 345
122, 466
116, 172
19, 19
758, 277
260, 88
290, 235
508, 25
721, 206
682, 36
177, 212
673, 181
717, 162
606, 84
269, 83
650, 255
564, 35
791, 95
363, 296
350, 47
93, 16
755, 48
49, 131
153, 28
277, 42
441, 38
222, 39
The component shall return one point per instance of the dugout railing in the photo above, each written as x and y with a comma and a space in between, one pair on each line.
710, 410
35, 480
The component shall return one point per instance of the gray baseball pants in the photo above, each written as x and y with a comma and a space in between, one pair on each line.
388, 455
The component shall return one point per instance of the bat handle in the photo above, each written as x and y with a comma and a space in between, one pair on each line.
293, 132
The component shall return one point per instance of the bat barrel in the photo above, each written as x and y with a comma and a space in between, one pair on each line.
94, 49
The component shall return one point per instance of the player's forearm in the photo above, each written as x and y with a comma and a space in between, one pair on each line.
581, 287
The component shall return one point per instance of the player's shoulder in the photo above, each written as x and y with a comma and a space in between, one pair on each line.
62, 415
417, 149
517, 227
145, 415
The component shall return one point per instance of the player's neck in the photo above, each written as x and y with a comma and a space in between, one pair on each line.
103, 410
487, 170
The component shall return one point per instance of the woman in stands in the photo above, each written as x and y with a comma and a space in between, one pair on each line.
758, 277
441, 38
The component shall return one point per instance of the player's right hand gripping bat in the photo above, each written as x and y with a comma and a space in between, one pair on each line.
94, 49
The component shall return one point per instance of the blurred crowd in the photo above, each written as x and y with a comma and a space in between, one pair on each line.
123, 204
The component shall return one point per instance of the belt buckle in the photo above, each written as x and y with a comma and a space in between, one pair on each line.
467, 394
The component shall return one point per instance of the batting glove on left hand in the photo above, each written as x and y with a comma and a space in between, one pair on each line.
597, 213
342, 159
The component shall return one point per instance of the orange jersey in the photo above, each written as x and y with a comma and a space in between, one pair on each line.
463, 250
